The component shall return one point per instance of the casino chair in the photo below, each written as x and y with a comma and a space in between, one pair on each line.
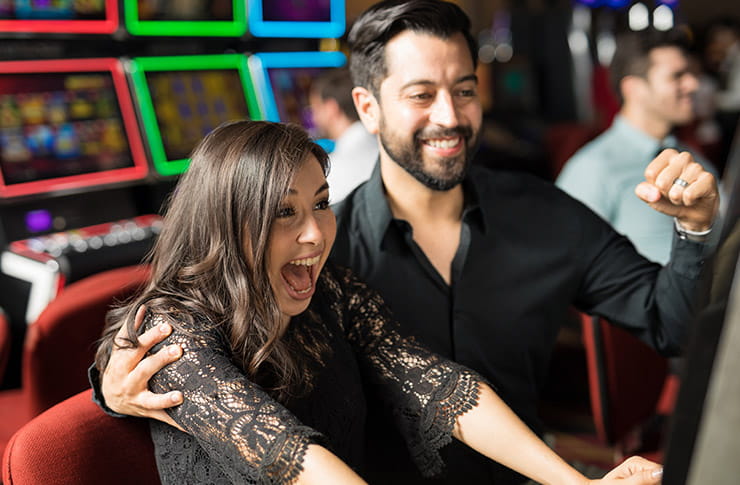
563, 140
4, 342
75, 442
60, 345
629, 387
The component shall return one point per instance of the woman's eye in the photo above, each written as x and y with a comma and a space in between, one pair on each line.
285, 212
322, 204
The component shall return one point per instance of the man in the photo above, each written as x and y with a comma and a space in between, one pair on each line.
480, 266
722, 56
355, 150
651, 74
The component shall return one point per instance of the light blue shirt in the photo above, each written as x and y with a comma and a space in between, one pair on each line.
603, 175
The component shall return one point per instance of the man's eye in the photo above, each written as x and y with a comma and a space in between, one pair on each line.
421, 96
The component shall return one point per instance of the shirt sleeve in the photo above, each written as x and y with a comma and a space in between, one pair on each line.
425, 392
655, 303
253, 438
93, 376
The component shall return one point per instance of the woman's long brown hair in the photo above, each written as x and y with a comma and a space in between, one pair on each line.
222, 208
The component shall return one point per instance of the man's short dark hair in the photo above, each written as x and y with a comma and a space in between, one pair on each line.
383, 21
632, 57
337, 84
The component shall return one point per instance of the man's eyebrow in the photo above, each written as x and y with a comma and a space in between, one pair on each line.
427, 82
469, 77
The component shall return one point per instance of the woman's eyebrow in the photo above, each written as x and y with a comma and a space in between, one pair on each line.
323, 187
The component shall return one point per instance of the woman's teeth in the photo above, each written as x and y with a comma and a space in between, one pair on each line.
306, 261
301, 292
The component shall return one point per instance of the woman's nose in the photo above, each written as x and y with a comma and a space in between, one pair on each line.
310, 231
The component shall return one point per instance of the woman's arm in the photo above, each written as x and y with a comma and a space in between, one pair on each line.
433, 396
322, 467
249, 435
492, 429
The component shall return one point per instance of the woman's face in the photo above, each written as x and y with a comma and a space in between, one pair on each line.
300, 239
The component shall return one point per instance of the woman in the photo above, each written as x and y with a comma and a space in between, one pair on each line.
280, 349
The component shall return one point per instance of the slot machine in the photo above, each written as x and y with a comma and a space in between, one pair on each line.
283, 81
61, 17
220, 18
96, 129
70, 151
182, 98
296, 18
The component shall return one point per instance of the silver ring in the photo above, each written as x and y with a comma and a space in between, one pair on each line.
681, 182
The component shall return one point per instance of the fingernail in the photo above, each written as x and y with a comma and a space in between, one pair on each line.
164, 328
657, 473
176, 397
174, 350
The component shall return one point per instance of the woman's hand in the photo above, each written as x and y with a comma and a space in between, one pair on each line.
633, 471
124, 382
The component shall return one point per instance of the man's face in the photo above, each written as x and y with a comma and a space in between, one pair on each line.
430, 115
718, 44
670, 86
318, 113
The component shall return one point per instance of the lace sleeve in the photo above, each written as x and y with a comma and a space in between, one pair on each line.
252, 437
426, 392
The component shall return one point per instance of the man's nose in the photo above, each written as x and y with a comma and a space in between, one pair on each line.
690, 83
444, 111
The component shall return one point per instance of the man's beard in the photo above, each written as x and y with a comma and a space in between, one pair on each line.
409, 156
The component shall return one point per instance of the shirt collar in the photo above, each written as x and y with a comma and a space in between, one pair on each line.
378, 212
639, 140
474, 211
378, 215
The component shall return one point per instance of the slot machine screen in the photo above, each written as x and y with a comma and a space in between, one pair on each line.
296, 18
284, 80
59, 16
183, 98
66, 124
219, 18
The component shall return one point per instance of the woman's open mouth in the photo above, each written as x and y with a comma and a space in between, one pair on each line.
299, 276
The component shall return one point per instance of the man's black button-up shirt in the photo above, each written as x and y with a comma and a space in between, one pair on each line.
527, 253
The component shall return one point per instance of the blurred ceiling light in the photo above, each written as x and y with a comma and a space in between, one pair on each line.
639, 17
663, 17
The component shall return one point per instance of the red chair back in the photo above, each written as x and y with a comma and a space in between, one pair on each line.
60, 344
75, 442
4, 343
625, 378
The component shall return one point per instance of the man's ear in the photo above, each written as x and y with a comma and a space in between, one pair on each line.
333, 106
631, 87
367, 108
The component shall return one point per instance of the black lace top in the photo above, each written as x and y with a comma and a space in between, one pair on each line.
237, 433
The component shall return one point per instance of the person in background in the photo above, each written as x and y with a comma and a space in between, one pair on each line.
652, 75
280, 348
355, 150
481, 266
722, 58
